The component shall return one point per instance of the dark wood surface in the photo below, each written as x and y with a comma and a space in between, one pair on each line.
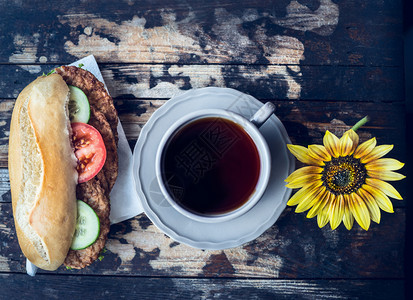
325, 64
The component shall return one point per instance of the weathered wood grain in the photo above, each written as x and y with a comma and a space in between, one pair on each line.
294, 247
4, 185
341, 83
271, 32
92, 287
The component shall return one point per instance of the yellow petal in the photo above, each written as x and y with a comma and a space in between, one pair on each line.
303, 180
322, 217
382, 164
304, 193
346, 145
371, 203
355, 139
381, 199
331, 206
348, 218
376, 153
319, 152
360, 211
331, 142
336, 211
309, 201
386, 175
301, 153
365, 148
303, 171
319, 205
387, 188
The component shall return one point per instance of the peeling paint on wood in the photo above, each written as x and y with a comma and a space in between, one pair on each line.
294, 247
179, 38
4, 184
4, 265
168, 81
175, 39
197, 28
152, 44
26, 48
163, 81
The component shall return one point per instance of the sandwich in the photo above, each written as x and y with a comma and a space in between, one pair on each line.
63, 164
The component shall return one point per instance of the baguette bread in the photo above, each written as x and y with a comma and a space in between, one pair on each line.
42, 170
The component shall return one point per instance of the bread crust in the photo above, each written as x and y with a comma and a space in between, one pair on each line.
52, 216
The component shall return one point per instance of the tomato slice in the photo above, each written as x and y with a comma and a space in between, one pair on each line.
89, 150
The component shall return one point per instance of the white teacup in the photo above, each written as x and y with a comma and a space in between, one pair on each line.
250, 128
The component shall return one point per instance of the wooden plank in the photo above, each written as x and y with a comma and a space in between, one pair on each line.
345, 83
4, 185
305, 121
92, 287
294, 247
270, 32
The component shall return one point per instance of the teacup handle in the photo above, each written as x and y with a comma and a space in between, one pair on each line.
262, 114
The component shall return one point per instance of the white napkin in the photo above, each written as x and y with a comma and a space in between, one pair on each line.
124, 202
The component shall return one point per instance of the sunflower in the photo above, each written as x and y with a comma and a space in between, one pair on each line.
344, 180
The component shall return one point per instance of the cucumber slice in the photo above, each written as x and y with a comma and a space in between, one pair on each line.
87, 227
79, 108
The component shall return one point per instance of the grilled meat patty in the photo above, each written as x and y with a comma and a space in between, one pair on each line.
95, 192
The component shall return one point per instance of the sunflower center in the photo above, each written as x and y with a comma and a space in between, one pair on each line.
344, 175
342, 178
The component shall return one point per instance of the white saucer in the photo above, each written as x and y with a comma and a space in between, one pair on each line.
201, 235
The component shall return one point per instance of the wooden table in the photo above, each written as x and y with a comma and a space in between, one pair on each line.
325, 64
